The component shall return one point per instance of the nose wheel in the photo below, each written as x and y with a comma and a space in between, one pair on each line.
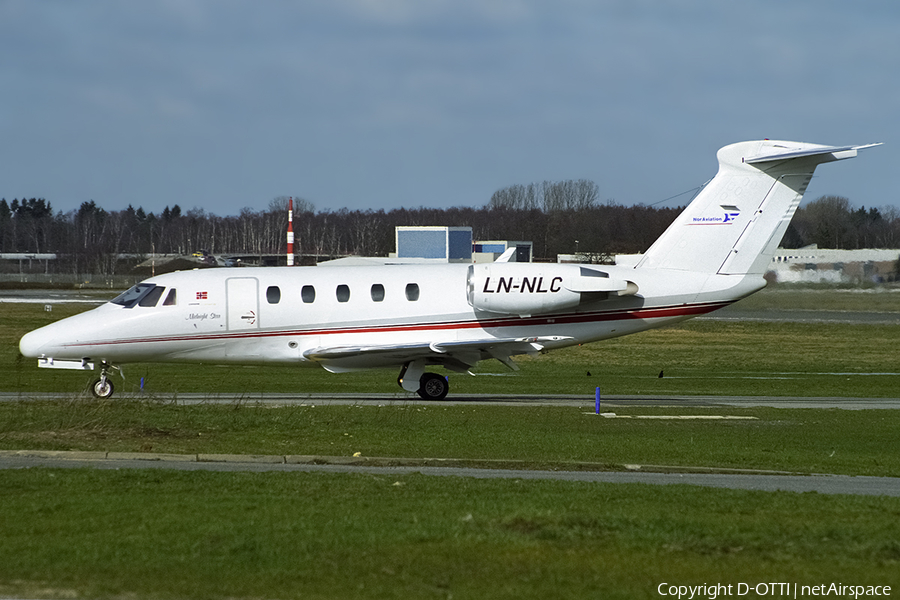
103, 387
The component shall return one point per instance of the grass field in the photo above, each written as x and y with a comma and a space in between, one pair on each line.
804, 441
88, 533
884, 299
150, 534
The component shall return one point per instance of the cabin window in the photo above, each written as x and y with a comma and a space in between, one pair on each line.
343, 293
273, 294
308, 294
412, 291
152, 297
170, 298
377, 292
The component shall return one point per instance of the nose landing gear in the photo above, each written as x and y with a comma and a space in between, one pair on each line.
103, 387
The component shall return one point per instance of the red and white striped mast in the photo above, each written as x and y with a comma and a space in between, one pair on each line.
290, 232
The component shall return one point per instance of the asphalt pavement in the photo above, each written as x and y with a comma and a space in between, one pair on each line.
540, 400
761, 481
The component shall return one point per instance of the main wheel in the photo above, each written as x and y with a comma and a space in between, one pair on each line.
433, 386
102, 388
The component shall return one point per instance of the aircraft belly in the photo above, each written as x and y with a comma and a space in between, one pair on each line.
120, 351
207, 353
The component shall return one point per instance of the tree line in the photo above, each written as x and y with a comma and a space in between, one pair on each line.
833, 222
558, 217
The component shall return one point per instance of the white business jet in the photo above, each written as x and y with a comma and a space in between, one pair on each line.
454, 315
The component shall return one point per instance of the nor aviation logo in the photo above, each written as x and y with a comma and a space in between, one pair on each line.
728, 216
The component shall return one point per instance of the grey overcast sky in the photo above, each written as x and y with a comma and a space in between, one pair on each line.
380, 104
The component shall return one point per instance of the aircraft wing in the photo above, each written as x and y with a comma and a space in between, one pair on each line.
457, 355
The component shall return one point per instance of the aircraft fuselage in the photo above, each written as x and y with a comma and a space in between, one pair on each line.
283, 314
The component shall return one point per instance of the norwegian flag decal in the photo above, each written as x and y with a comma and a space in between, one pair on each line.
202, 296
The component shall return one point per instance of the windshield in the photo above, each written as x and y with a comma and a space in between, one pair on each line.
131, 297
152, 297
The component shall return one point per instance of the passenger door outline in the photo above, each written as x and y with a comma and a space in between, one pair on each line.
242, 303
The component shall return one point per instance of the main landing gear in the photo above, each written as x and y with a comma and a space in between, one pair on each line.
433, 386
103, 387
429, 386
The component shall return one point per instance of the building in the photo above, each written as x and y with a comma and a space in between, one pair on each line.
434, 243
812, 264
452, 244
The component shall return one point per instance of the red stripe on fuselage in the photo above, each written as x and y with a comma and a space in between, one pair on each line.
684, 310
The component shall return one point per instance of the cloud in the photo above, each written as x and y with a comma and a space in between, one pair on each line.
368, 103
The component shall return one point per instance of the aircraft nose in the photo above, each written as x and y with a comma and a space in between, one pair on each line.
56, 339
31, 343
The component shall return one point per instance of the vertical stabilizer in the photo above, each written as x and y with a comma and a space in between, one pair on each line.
737, 221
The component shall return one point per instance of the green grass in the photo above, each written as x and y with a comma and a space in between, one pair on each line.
725, 358
157, 534
824, 297
164, 534
808, 441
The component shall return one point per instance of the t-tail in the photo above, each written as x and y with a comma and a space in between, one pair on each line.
737, 221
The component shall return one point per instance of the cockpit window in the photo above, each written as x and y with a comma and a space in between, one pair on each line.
170, 298
152, 297
131, 297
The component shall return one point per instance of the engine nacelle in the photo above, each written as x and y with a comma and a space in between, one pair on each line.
531, 288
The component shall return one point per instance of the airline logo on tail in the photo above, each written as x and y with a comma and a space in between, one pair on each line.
727, 218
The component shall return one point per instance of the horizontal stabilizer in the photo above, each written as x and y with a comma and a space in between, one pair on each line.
838, 152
